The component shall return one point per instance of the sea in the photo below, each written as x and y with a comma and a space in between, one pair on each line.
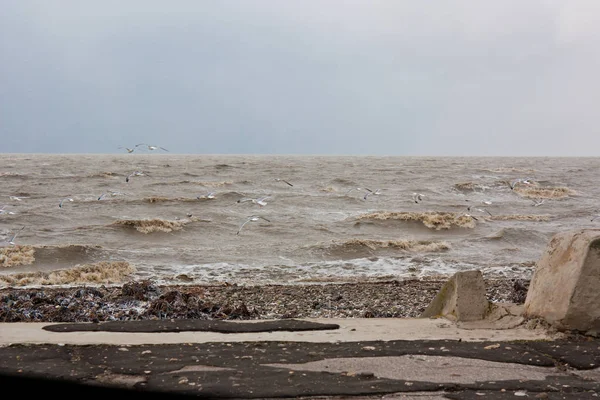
199, 219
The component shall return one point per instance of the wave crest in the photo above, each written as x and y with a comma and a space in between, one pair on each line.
408, 245
433, 220
155, 224
544, 193
16, 255
101, 273
469, 187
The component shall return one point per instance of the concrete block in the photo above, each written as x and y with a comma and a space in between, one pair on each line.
565, 288
462, 298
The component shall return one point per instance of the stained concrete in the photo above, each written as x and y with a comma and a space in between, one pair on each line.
446, 368
350, 329
564, 288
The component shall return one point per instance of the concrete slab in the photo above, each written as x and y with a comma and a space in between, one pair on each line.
438, 369
350, 330
447, 368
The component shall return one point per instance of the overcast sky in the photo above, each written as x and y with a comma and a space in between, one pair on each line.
369, 77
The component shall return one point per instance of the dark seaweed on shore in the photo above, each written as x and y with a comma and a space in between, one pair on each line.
145, 300
133, 301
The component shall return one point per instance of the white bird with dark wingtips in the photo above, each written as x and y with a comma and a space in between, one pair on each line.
210, 195
470, 216
136, 173
370, 192
113, 194
260, 201
128, 149
17, 198
514, 183
12, 239
417, 197
538, 202
3, 211
480, 210
252, 218
355, 188
63, 200
151, 147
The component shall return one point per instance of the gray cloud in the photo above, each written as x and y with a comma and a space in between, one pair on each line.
308, 77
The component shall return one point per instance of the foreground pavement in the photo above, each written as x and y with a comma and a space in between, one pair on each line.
421, 359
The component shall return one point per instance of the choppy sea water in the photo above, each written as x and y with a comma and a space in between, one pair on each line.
321, 228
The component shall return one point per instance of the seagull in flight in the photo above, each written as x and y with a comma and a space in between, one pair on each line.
417, 197
370, 192
470, 216
63, 200
151, 147
128, 149
17, 198
252, 218
354, 189
12, 239
538, 202
103, 195
514, 183
260, 201
282, 180
3, 211
136, 173
479, 209
210, 195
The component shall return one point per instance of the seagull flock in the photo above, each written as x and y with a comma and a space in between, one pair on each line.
261, 201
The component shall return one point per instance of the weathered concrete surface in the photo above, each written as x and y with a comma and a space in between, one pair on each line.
439, 369
499, 316
350, 329
462, 298
443, 368
565, 288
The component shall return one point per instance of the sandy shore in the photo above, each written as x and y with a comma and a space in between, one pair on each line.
146, 300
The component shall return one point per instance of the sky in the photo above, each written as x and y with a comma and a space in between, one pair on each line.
320, 77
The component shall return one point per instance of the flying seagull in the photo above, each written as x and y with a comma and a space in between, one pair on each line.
136, 173
470, 216
251, 218
480, 210
3, 211
12, 239
103, 195
282, 180
417, 197
538, 202
61, 202
128, 149
514, 183
354, 189
260, 201
486, 202
151, 147
17, 198
370, 192
210, 195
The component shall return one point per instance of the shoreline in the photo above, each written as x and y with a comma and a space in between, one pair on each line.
145, 300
